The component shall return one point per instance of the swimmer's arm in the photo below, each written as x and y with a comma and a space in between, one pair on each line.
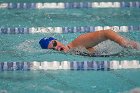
88, 51
91, 50
81, 51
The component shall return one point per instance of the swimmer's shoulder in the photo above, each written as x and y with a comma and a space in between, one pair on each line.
70, 46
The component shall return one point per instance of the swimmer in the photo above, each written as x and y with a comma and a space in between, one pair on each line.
88, 41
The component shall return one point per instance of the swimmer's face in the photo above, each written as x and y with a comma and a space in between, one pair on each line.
56, 45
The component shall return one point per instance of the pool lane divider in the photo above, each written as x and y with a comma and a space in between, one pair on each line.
69, 5
66, 65
32, 30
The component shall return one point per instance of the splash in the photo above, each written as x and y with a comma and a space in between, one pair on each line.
3, 91
108, 48
29, 46
105, 48
32, 47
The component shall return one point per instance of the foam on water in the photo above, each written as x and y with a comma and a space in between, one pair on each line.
3, 91
105, 48
108, 48
28, 46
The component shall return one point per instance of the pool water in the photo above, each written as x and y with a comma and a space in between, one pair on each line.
24, 47
117, 81
69, 17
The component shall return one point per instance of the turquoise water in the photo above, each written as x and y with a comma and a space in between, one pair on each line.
117, 81
69, 17
25, 47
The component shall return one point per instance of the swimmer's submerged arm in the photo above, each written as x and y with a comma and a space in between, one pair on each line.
91, 50
87, 51
81, 51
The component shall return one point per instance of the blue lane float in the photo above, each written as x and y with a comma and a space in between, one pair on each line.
66, 65
69, 5
21, 5
25, 30
11, 66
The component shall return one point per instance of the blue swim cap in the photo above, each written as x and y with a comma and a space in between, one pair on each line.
44, 42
